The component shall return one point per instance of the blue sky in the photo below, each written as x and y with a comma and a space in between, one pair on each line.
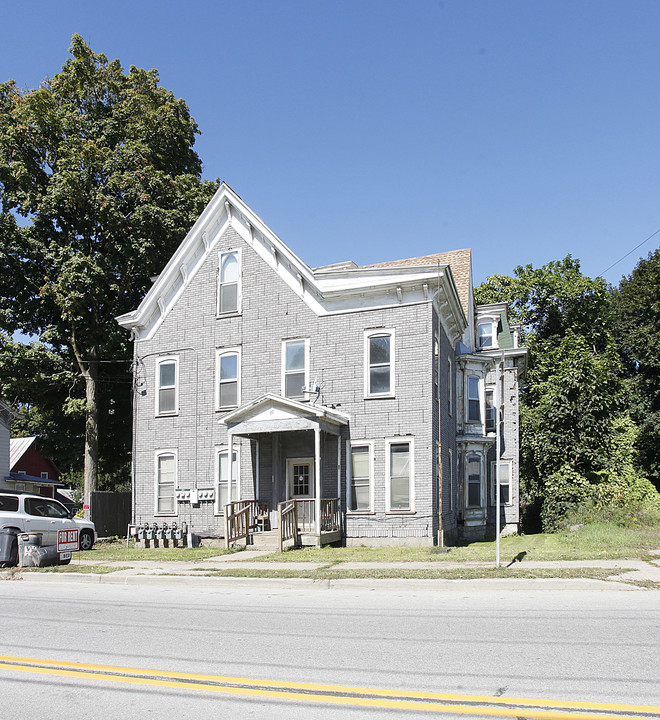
373, 130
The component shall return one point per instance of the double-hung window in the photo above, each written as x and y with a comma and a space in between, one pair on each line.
505, 481
399, 471
167, 393
485, 334
379, 366
491, 412
436, 368
361, 479
165, 483
227, 481
229, 378
473, 399
295, 368
473, 472
229, 282
450, 388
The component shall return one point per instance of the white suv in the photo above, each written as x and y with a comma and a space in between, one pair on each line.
37, 514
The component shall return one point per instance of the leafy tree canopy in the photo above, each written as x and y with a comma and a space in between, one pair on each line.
99, 183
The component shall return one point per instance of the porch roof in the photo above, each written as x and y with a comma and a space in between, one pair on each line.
274, 413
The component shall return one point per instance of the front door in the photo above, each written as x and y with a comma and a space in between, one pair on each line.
300, 478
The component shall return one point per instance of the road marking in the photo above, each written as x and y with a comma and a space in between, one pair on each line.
337, 694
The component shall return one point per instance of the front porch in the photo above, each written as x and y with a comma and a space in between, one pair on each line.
249, 520
296, 450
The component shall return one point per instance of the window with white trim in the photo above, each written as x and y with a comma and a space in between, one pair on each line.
229, 282
379, 363
295, 368
491, 420
485, 335
452, 490
228, 375
227, 486
473, 485
473, 399
44, 475
399, 470
361, 477
450, 387
167, 379
165, 494
436, 368
505, 481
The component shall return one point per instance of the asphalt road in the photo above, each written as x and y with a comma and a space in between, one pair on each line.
468, 648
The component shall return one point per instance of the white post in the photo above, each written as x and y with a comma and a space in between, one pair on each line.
230, 458
317, 481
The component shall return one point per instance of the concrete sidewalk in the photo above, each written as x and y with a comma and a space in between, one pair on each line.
636, 571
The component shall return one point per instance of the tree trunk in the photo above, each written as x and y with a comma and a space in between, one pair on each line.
91, 374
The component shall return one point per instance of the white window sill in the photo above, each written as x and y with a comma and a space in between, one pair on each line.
388, 396
234, 313
400, 512
162, 415
360, 513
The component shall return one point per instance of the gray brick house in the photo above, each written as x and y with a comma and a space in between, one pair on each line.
367, 394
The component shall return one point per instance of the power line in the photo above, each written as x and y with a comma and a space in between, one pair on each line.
628, 253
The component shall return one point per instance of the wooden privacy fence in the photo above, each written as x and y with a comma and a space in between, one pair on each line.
110, 512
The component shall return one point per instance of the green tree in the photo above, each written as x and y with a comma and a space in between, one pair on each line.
99, 182
574, 388
636, 304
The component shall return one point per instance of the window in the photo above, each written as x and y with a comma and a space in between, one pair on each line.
295, 354
450, 387
379, 353
228, 374
361, 473
474, 403
473, 469
45, 508
44, 475
505, 482
436, 368
227, 487
399, 474
491, 421
485, 335
8, 503
167, 401
229, 281
165, 483
451, 479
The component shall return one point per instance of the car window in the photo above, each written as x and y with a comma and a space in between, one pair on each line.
8, 503
42, 507
55, 510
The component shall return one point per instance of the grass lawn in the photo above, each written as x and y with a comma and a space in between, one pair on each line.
592, 541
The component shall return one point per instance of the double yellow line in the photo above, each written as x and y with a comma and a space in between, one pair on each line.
337, 694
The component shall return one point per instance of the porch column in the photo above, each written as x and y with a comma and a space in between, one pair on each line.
317, 480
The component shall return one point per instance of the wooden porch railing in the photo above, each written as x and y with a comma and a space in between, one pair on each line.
287, 515
330, 520
241, 519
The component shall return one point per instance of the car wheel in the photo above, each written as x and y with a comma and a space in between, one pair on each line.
86, 540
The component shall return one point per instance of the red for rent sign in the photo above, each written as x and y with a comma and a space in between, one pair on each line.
67, 540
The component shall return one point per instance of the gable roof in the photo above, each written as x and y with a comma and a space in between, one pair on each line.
18, 447
334, 289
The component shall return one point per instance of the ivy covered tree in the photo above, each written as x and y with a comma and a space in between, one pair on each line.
99, 183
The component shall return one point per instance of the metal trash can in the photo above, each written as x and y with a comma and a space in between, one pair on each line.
8, 548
